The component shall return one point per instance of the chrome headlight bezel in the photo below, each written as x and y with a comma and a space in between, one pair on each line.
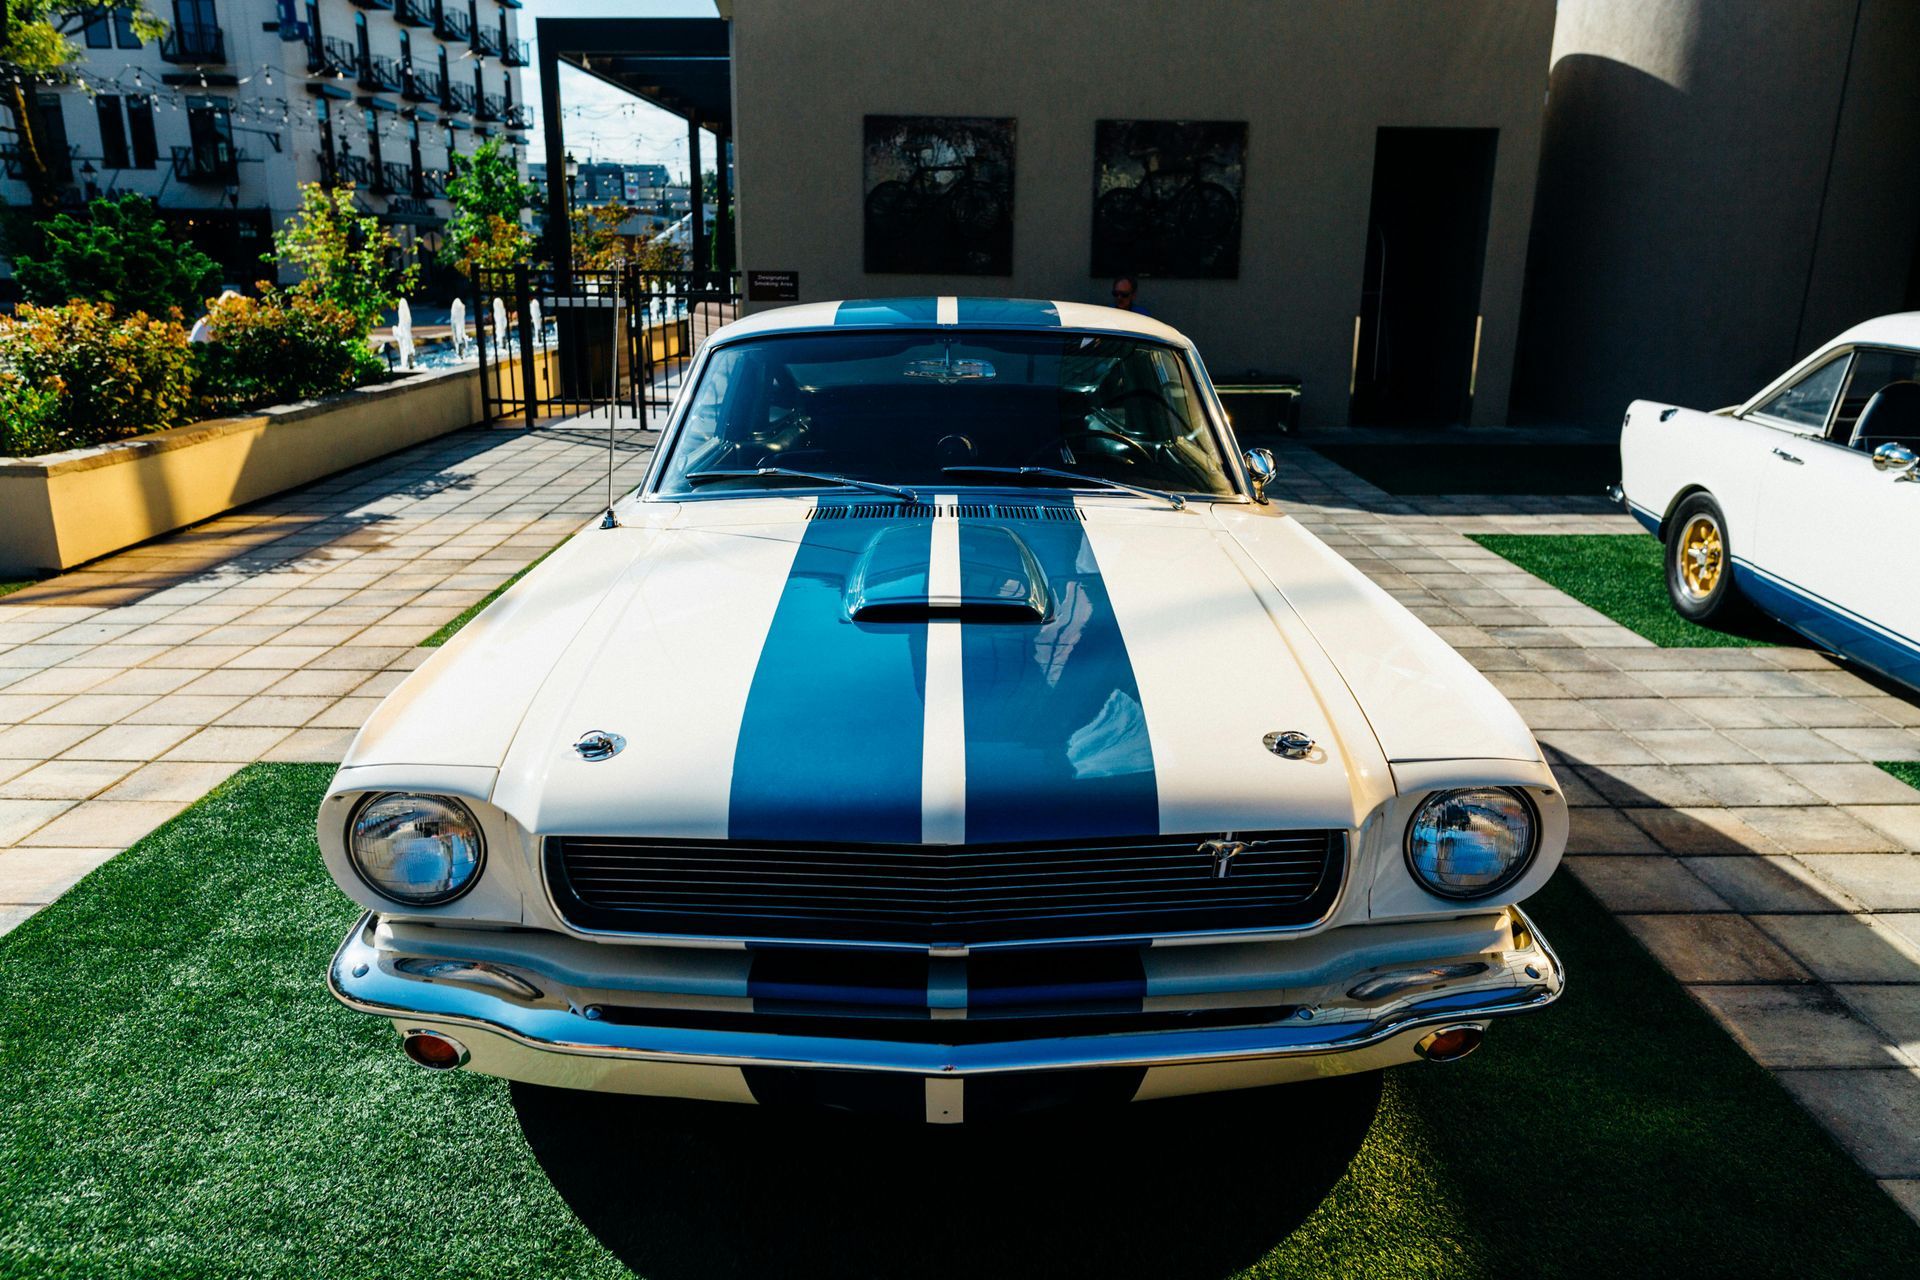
1507, 879
455, 806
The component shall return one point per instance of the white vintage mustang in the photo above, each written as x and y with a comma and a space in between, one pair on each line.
948, 726
1801, 501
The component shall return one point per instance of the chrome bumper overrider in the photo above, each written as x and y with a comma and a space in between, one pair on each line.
548, 1009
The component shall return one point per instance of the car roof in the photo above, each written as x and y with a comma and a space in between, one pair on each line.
948, 311
1902, 329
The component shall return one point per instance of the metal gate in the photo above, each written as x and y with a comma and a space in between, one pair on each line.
559, 344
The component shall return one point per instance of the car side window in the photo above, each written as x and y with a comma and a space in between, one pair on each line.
1809, 402
1873, 368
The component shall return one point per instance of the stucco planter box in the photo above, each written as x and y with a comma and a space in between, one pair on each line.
63, 509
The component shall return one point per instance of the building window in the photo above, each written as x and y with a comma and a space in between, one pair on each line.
99, 30
123, 32
53, 136
140, 131
113, 132
210, 132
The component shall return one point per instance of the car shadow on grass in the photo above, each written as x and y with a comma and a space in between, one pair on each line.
1199, 1187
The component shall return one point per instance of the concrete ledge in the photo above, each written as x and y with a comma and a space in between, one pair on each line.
63, 509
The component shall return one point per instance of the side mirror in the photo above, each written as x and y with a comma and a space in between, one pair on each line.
1260, 470
1895, 457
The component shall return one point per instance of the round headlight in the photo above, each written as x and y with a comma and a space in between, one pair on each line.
1468, 844
417, 850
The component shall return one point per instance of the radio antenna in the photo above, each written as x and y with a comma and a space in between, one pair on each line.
613, 397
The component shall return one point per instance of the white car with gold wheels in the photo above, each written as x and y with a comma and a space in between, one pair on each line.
1795, 501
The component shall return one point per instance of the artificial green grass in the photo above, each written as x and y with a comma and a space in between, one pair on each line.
179, 1097
8, 588
1622, 575
1908, 771
472, 611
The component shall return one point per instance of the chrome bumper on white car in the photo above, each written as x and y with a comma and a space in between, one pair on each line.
539, 1007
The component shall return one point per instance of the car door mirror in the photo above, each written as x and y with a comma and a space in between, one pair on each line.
1260, 470
1893, 456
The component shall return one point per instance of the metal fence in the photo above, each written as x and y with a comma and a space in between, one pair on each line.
555, 344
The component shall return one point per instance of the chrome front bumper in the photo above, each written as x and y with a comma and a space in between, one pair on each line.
534, 1007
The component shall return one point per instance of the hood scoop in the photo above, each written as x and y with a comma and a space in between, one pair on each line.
999, 579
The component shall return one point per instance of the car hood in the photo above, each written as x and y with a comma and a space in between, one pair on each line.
846, 670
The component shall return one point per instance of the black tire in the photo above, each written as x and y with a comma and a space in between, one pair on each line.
1699, 563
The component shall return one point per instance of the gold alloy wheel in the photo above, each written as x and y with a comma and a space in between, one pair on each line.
1702, 556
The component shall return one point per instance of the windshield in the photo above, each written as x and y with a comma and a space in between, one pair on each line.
901, 408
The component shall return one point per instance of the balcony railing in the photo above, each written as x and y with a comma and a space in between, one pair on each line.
215, 162
515, 54
14, 157
414, 13
453, 24
487, 40
194, 46
517, 116
374, 4
460, 97
379, 72
354, 171
331, 56
491, 107
391, 179
421, 86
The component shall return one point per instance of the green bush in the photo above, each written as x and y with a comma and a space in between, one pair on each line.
278, 349
118, 252
344, 256
26, 418
110, 376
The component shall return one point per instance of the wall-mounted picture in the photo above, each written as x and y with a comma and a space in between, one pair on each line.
1166, 197
939, 195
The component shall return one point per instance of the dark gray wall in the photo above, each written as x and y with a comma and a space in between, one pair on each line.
1314, 79
1724, 184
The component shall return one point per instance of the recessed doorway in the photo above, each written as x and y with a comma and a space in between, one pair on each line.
1417, 337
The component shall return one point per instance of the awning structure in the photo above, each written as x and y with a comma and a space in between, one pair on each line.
325, 89
681, 65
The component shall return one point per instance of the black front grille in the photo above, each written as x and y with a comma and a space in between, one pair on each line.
933, 895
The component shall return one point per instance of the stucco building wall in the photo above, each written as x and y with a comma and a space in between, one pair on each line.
1723, 187
1314, 79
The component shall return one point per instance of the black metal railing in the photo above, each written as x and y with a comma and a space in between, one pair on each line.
421, 86
208, 162
491, 107
332, 56
452, 24
620, 336
14, 157
414, 13
394, 178
380, 72
195, 46
354, 171
515, 54
430, 184
486, 40
460, 97
517, 116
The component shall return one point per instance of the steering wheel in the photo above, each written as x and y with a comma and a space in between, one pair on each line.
1131, 451
1150, 393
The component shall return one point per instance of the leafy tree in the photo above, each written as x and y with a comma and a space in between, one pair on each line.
599, 244
119, 252
488, 197
36, 45
345, 257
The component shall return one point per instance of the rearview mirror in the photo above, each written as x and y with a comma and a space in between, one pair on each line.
1261, 470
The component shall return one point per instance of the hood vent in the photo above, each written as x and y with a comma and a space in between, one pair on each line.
999, 580
945, 511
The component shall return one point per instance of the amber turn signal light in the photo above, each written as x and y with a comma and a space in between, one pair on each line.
1449, 1044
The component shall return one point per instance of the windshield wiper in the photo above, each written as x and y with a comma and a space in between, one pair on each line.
743, 473
1173, 500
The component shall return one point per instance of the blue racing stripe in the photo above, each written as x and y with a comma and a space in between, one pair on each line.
1009, 312
886, 311
1057, 743
831, 740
